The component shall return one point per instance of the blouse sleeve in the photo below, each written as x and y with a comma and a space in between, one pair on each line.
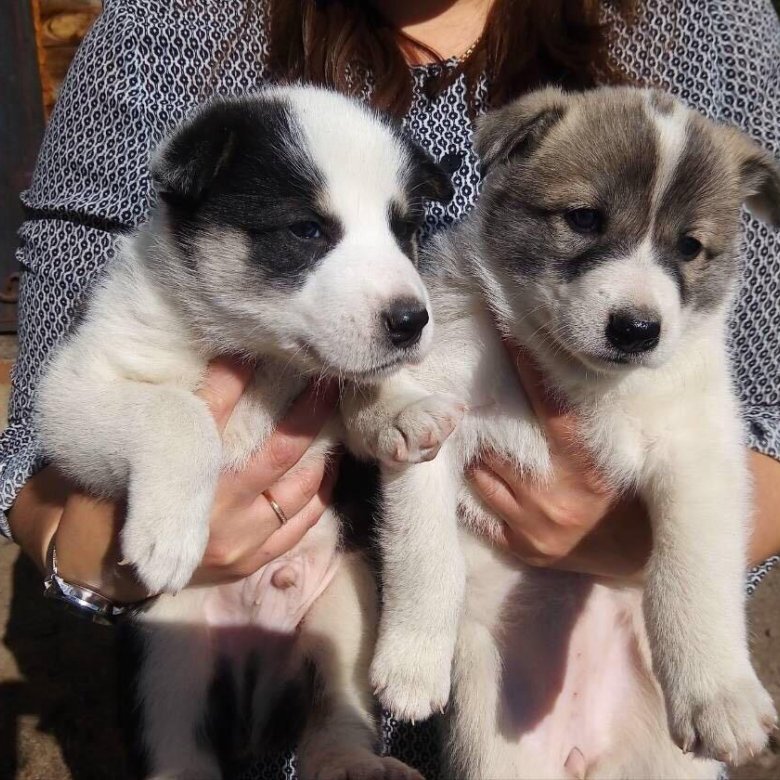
142, 68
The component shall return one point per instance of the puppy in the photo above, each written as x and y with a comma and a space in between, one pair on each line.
605, 241
284, 234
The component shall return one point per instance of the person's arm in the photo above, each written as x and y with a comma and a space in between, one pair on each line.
142, 68
89, 185
765, 539
245, 531
743, 88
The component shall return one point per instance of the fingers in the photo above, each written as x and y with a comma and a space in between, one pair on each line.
495, 490
254, 535
497, 465
225, 382
296, 488
293, 436
526, 531
284, 538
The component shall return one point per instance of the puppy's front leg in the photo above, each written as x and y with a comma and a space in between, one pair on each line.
694, 602
399, 422
424, 581
172, 452
338, 635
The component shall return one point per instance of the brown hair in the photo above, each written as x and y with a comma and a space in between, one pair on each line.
525, 44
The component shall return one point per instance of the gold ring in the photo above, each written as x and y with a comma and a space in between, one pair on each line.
278, 511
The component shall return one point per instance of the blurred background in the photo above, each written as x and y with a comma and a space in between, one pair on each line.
58, 714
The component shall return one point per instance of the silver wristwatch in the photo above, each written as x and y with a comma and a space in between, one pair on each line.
85, 601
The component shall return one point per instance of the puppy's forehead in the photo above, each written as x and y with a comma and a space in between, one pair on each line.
603, 148
640, 151
363, 163
701, 189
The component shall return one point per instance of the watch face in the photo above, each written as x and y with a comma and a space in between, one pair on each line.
90, 604
80, 601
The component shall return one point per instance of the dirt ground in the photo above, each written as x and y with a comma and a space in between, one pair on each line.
58, 712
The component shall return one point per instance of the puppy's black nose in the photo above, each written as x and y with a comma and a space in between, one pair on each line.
405, 322
631, 333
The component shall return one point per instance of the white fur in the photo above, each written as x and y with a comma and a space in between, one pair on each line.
671, 135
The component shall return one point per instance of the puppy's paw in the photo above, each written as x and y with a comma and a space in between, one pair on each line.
165, 548
361, 765
731, 723
419, 430
411, 676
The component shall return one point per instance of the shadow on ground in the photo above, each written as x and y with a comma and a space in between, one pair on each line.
58, 712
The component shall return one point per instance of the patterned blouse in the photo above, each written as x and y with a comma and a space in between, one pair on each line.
147, 63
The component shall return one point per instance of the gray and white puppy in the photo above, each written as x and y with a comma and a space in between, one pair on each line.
285, 234
605, 241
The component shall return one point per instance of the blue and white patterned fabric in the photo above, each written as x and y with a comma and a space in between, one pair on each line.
147, 63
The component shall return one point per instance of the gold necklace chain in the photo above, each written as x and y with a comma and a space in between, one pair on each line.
466, 54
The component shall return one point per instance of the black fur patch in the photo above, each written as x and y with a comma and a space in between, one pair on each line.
243, 165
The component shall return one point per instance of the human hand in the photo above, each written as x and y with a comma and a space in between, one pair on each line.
245, 532
575, 520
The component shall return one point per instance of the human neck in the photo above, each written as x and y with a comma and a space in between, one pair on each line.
448, 27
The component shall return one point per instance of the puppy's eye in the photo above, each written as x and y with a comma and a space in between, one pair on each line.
585, 220
309, 230
688, 247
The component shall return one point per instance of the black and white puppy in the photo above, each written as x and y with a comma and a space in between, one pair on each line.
606, 242
285, 234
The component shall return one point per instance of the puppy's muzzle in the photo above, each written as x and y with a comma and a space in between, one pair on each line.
405, 322
632, 333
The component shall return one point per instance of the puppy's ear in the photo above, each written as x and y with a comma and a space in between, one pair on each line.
519, 127
188, 162
429, 179
759, 174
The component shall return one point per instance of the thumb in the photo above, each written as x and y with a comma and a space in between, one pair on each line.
223, 385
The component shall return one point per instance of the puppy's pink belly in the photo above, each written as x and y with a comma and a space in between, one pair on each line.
565, 687
269, 605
